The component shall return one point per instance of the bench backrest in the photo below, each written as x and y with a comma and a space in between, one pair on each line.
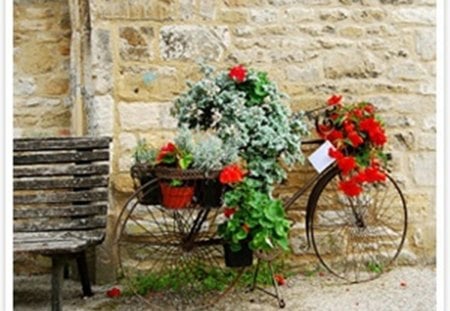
60, 184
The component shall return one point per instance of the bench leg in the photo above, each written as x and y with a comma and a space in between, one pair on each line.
57, 282
84, 276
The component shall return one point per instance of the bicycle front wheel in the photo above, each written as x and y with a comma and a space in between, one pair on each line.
357, 238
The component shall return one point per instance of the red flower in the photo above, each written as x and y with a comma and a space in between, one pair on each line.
374, 175
279, 279
231, 174
350, 187
334, 135
369, 108
346, 164
355, 138
334, 100
361, 177
238, 73
369, 125
358, 113
113, 292
378, 137
165, 150
228, 212
334, 153
348, 126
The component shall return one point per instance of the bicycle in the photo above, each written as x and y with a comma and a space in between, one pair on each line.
354, 238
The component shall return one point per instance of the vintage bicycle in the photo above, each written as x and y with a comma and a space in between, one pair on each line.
174, 259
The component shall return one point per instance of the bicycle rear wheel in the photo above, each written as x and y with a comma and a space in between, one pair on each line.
357, 238
161, 266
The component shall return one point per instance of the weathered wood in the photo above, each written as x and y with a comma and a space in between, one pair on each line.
57, 242
57, 280
62, 197
60, 157
61, 170
60, 211
61, 143
59, 183
59, 224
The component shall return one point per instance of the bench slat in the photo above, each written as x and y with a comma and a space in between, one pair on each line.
61, 157
60, 211
62, 197
56, 241
61, 143
61, 170
58, 224
60, 183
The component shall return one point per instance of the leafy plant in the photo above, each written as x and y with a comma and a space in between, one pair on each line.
245, 107
211, 153
143, 154
256, 217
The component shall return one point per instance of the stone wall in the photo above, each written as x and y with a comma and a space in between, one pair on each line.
41, 68
142, 53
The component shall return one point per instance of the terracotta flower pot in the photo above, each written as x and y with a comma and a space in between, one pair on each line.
176, 197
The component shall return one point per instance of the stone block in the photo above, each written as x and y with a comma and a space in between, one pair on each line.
191, 42
423, 168
334, 15
127, 141
145, 116
299, 14
244, 3
207, 9
426, 141
24, 85
352, 31
122, 182
306, 73
102, 76
153, 10
34, 58
56, 86
137, 83
187, 10
100, 116
425, 41
136, 43
351, 64
406, 71
369, 15
416, 15
232, 16
263, 16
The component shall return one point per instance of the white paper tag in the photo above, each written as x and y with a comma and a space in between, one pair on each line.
320, 159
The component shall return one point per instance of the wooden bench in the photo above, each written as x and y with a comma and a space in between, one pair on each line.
61, 201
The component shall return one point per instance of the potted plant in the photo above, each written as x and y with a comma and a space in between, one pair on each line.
244, 106
358, 135
211, 156
144, 159
255, 222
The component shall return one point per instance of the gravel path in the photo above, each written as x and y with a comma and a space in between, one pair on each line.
403, 288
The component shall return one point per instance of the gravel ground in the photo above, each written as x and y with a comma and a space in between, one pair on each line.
403, 288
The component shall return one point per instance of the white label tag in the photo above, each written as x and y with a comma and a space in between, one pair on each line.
320, 159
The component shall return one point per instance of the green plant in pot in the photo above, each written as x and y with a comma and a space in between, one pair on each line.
254, 220
176, 192
211, 155
144, 160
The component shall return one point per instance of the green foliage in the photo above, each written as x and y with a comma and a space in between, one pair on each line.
252, 114
258, 218
143, 154
211, 153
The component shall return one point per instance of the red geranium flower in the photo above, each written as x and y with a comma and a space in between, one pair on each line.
346, 164
350, 187
334, 135
334, 100
238, 73
231, 174
358, 113
378, 137
355, 139
369, 108
113, 292
165, 150
228, 212
373, 174
369, 125
334, 153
